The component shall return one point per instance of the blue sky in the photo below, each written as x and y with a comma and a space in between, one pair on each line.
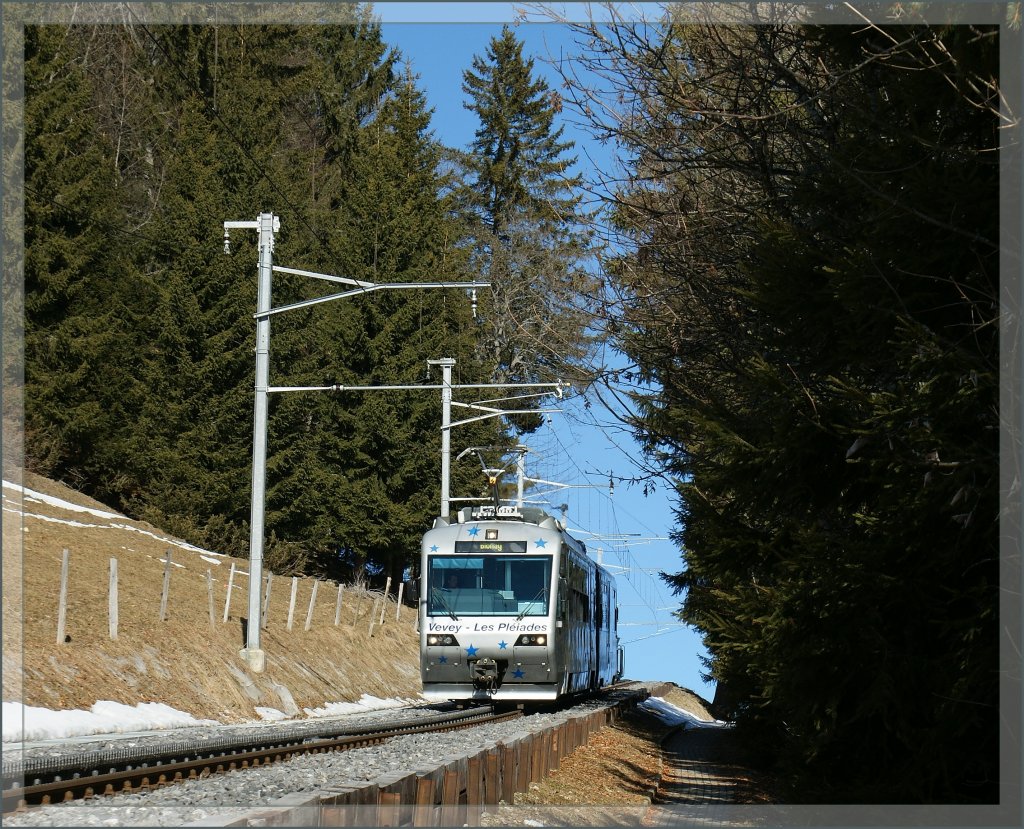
630, 527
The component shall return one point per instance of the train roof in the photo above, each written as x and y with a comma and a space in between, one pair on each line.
525, 515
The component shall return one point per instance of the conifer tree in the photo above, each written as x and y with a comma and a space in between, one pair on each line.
530, 237
377, 452
141, 331
80, 347
810, 288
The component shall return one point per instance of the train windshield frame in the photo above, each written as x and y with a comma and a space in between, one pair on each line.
489, 585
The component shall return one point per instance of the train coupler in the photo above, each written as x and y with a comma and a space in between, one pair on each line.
488, 673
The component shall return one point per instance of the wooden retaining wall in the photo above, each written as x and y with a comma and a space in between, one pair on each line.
453, 794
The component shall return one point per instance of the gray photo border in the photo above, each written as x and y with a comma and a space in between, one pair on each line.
14, 16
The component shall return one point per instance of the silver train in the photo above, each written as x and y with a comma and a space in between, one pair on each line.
512, 609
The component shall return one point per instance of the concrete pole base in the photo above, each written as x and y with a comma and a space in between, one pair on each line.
255, 658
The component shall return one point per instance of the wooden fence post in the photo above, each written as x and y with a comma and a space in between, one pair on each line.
227, 598
312, 601
398, 607
112, 600
337, 606
62, 603
291, 601
384, 602
167, 586
373, 616
266, 598
209, 595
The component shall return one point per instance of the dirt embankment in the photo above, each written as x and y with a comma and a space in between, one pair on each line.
185, 661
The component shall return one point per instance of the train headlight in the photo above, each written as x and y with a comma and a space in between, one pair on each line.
532, 639
441, 639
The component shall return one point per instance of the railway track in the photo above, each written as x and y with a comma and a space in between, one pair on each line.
107, 773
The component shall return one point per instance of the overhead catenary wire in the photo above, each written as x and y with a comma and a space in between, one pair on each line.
548, 445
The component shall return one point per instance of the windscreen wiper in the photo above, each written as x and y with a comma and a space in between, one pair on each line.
448, 607
530, 603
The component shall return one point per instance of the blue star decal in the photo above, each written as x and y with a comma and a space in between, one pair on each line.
471, 651
502, 645
442, 660
434, 548
541, 542
518, 673
474, 531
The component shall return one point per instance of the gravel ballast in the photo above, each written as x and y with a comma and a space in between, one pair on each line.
227, 796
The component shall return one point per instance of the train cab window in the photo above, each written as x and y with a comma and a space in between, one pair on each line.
493, 585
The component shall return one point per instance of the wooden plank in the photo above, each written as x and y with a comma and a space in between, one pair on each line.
366, 812
523, 764
112, 600
450, 791
461, 813
337, 606
398, 607
338, 806
508, 773
403, 786
389, 808
474, 788
492, 776
475, 780
537, 759
423, 812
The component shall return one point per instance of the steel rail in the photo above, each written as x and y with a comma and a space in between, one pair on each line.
84, 778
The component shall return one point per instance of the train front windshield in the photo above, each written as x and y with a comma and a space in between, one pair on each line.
497, 585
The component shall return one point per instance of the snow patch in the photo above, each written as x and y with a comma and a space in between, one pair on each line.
674, 715
270, 714
58, 502
367, 702
26, 722
38, 497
